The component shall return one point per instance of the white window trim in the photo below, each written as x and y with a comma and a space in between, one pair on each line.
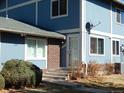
59, 16
35, 58
112, 47
93, 54
119, 23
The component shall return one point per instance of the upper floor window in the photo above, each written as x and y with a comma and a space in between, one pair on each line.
96, 45
59, 8
120, 16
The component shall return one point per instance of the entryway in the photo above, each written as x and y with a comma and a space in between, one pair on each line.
73, 47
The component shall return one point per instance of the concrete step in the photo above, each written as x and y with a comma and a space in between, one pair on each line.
58, 71
51, 75
55, 74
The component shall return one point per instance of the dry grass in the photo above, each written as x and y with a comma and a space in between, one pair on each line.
44, 88
108, 81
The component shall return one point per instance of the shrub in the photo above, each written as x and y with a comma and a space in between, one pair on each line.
93, 68
20, 73
109, 68
2, 82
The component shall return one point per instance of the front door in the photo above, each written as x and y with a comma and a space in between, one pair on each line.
73, 50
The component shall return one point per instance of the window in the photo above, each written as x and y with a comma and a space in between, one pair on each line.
36, 49
96, 45
120, 16
59, 7
115, 47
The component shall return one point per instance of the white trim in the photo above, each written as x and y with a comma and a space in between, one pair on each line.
28, 58
68, 47
25, 55
111, 15
95, 32
115, 14
97, 37
83, 30
6, 8
19, 5
115, 55
59, 16
0, 47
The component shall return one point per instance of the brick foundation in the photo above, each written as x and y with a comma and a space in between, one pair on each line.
53, 54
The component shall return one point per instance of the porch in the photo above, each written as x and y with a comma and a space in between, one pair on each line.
26, 42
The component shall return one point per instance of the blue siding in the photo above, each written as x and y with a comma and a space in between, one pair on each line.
118, 28
99, 59
2, 4
25, 14
67, 22
12, 46
3, 14
40, 63
14, 2
98, 10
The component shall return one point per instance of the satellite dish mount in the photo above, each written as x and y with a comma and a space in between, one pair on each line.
90, 26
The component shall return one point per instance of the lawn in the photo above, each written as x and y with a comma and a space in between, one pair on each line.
108, 82
111, 83
45, 88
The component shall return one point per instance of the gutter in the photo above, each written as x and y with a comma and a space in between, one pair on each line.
119, 2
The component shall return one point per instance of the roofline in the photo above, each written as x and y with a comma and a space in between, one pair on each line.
32, 34
119, 2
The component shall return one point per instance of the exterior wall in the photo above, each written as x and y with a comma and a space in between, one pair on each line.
99, 11
53, 54
12, 46
22, 15
99, 58
38, 13
42, 64
3, 14
108, 28
117, 27
68, 22
2, 4
15, 2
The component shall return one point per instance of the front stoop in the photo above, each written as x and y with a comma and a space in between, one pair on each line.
55, 74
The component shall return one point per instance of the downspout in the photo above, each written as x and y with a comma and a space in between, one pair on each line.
83, 32
111, 31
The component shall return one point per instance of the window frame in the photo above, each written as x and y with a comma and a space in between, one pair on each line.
97, 37
121, 10
58, 16
37, 57
115, 48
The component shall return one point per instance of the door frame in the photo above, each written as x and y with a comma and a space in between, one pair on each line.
68, 46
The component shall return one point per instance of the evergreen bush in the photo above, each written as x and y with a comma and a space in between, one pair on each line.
2, 82
21, 73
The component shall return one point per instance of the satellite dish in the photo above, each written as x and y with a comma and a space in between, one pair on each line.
89, 26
